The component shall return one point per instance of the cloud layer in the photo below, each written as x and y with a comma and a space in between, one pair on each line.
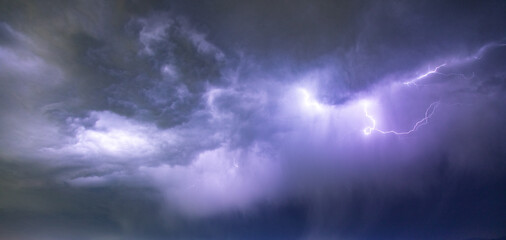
242, 120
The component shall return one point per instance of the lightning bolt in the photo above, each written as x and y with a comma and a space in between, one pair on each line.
432, 107
476, 56
430, 72
428, 114
435, 71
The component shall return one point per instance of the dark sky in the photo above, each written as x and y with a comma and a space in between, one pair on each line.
252, 120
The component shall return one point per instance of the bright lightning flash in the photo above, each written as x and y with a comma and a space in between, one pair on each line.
434, 71
428, 114
432, 107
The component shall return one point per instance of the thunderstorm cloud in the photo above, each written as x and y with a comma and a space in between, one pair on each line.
252, 119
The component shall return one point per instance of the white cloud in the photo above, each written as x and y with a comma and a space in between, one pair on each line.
154, 29
115, 136
217, 180
200, 41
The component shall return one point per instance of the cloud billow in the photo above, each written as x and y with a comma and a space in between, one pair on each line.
246, 120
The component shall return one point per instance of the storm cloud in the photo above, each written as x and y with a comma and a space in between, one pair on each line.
252, 120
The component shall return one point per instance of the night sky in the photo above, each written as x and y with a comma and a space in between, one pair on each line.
262, 119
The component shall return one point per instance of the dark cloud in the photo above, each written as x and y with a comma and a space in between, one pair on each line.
247, 120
